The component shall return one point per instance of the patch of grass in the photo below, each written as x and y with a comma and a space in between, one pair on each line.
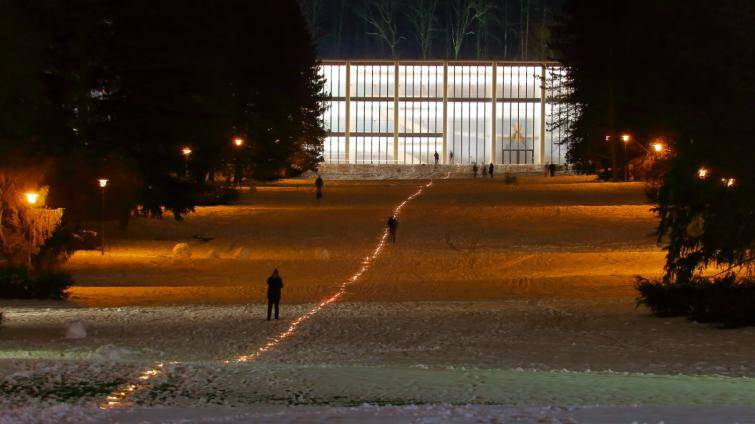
62, 391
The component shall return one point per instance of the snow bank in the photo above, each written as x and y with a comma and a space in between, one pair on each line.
182, 250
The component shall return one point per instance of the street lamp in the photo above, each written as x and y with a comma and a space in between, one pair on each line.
31, 198
658, 147
702, 173
103, 184
238, 141
728, 182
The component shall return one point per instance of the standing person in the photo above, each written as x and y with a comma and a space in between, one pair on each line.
451, 157
437, 157
491, 168
474, 169
484, 171
392, 226
274, 286
319, 183
552, 169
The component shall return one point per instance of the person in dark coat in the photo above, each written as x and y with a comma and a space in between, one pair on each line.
274, 286
490, 170
392, 226
437, 157
474, 169
319, 183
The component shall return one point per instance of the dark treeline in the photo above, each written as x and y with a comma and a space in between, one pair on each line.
431, 29
117, 89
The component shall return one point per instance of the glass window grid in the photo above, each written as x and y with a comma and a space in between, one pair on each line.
371, 98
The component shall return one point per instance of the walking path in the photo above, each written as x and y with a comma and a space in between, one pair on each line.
121, 396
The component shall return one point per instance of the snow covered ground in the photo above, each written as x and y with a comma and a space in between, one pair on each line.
496, 301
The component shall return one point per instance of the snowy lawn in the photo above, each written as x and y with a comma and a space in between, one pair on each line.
493, 295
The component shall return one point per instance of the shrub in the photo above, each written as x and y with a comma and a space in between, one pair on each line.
221, 195
17, 283
725, 300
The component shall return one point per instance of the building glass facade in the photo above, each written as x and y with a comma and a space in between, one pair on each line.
386, 112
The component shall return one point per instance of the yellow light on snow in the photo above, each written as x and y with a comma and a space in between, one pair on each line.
31, 198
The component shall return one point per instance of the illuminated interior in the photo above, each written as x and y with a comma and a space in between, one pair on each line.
404, 112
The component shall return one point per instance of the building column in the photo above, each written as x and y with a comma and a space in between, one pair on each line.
348, 111
395, 112
495, 114
542, 114
445, 112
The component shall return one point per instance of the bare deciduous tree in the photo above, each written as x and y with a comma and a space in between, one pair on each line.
382, 17
423, 20
312, 11
463, 15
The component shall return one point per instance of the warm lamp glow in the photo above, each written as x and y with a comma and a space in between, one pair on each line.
658, 147
702, 173
103, 182
238, 141
608, 138
186, 151
729, 182
31, 198
626, 138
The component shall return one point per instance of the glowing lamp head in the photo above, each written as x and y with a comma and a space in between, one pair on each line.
728, 182
31, 198
238, 141
658, 147
186, 151
702, 173
103, 182
626, 138
608, 138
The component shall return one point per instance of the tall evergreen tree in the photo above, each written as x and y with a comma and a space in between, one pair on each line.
643, 67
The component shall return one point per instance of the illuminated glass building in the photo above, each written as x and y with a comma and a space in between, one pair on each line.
386, 112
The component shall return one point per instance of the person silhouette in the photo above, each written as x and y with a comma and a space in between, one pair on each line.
474, 169
318, 184
392, 226
491, 168
274, 286
437, 158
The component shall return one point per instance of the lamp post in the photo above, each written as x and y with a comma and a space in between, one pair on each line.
186, 151
103, 184
238, 142
31, 199
626, 138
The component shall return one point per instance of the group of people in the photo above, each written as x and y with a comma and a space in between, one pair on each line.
486, 170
